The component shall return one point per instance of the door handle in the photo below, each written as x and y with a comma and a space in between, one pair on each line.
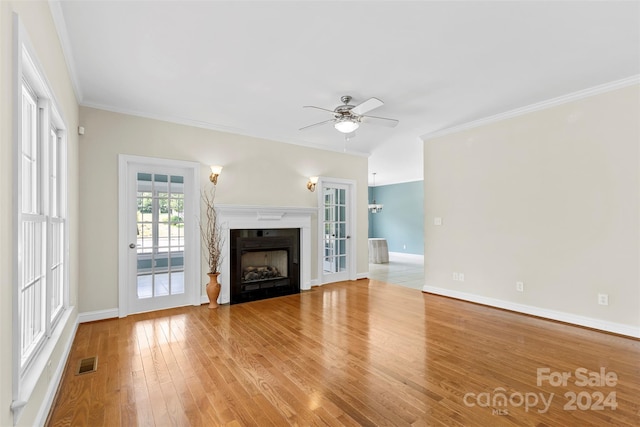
348, 237
132, 245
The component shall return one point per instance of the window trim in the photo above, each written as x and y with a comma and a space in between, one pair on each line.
27, 70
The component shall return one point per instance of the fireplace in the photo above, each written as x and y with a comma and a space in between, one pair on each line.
244, 217
264, 263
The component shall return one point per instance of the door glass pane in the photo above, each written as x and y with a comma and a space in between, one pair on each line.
160, 235
329, 265
335, 230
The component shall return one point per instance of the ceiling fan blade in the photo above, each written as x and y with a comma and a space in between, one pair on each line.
318, 108
382, 121
317, 124
367, 105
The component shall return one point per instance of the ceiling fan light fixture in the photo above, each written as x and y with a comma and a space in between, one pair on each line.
346, 125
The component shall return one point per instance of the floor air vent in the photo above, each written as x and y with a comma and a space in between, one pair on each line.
90, 364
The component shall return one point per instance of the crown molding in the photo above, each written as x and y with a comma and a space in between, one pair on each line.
65, 44
220, 128
553, 102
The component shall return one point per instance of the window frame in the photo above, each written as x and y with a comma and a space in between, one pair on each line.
29, 367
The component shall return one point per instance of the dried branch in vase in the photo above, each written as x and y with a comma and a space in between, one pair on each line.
211, 232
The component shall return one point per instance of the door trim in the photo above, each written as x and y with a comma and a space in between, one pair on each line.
352, 250
192, 263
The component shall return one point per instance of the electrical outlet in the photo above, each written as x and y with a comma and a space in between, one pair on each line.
437, 221
456, 276
520, 286
603, 299
461, 277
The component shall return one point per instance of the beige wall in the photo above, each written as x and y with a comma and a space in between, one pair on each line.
256, 172
36, 18
550, 198
6, 217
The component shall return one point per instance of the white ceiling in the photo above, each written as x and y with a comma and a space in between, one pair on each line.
249, 67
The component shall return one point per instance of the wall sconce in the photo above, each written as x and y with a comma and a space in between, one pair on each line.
215, 171
311, 185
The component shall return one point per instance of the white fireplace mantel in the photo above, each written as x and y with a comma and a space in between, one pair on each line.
232, 217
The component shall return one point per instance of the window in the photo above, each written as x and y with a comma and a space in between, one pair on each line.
40, 265
31, 240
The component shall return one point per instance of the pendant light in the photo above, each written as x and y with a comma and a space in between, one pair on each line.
375, 207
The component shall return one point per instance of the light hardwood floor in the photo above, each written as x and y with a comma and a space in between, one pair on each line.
351, 353
402, 269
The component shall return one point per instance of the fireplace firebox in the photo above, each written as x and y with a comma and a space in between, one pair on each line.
264, 263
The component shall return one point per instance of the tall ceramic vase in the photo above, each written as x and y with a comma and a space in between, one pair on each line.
213, 289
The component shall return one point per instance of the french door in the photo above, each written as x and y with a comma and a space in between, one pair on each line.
336, 232
160, 240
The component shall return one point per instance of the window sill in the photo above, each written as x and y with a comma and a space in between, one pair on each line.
41, 366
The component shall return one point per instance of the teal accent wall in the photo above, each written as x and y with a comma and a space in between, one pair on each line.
401, 221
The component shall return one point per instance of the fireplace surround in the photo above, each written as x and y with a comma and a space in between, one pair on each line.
243, 217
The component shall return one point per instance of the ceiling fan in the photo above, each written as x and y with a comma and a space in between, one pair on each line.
347, 117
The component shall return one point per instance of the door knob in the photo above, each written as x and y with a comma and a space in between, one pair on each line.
132, 245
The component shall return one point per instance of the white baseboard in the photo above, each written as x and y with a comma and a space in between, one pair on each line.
92, 316
316, 282
616, 328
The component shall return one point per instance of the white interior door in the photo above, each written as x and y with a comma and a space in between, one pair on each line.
336, 232
161, 242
